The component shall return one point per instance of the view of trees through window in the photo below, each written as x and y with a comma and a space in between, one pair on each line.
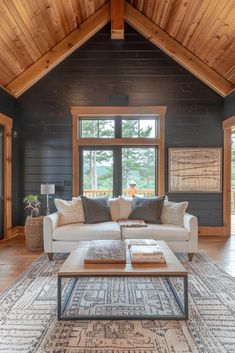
136, 164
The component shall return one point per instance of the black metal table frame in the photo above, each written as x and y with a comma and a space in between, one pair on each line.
182, 303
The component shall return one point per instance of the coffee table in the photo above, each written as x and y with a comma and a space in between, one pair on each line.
74, 268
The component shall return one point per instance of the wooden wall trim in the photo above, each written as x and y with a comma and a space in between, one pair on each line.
123, 110
13, 232
119, 110
228, 125
75, 162
176, 51
7, 123
60, 51
218, 231
117, 19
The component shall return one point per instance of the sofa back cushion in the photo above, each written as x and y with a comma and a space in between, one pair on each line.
173, 213
148, 209
96, 209
69, 211
114, 209
125, 206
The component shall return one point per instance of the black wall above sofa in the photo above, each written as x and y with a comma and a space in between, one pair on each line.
102, 71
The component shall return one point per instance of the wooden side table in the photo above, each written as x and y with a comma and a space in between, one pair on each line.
34, 233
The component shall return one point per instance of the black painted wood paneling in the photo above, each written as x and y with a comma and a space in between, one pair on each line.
100, 69
229, 105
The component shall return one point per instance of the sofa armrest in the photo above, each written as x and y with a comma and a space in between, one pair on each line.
50, 223
191, 224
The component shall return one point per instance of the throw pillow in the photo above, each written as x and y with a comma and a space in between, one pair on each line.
148, 209
114, 209
69, 211
125, 206
96, 210
173, 213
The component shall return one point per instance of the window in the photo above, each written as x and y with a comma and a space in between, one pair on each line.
97, 172
118, 153
144, 128
93, 128
139, 171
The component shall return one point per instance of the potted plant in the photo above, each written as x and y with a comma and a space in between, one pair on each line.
32, 202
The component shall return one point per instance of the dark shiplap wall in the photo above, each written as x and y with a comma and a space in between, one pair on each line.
7, 104
229, 105
95, 73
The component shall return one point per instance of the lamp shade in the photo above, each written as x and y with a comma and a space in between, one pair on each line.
47, 189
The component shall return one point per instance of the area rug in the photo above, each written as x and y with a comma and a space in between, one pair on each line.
28, 321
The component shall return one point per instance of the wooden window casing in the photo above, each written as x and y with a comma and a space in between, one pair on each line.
116, 112
7, 124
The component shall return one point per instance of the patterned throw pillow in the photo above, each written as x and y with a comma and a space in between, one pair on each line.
173, 213
70, 211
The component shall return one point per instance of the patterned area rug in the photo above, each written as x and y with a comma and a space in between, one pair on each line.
28, 321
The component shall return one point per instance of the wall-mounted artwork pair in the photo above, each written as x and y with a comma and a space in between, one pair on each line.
196, 169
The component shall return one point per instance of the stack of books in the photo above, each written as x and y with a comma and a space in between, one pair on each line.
146, 254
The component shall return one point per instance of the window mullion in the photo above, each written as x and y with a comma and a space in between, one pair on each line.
117, 171
118, 127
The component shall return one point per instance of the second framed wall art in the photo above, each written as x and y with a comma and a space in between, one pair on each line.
195, 169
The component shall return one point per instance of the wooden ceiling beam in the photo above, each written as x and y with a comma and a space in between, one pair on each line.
117, 19
60, 51
176, 51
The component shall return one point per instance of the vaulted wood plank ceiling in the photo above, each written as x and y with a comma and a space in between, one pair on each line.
41, 32
205, 27
30, 28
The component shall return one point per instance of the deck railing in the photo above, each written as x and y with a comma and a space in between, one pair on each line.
233, 201
125, 192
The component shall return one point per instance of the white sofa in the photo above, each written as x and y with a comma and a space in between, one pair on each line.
62, 239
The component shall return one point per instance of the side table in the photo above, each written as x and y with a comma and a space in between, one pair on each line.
34, 233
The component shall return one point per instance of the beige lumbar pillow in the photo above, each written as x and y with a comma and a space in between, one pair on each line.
125, 206
173, 213
70, 211
114, 209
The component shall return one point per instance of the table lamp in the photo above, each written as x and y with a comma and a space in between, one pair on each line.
47, 189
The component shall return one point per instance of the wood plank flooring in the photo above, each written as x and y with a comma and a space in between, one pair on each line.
15, 258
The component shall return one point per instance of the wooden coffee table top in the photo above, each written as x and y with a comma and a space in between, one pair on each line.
74, 265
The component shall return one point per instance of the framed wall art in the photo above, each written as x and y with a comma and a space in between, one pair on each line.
195, 169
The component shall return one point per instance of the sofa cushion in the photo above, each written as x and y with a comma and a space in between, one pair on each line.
96, 209
69, 211
148, 209
167, 232
173, 213
125, 206
95, 231
114, 209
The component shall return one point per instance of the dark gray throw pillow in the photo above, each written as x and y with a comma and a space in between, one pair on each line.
96, 210
148, 209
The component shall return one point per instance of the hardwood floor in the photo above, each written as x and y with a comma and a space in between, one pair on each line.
15, 258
